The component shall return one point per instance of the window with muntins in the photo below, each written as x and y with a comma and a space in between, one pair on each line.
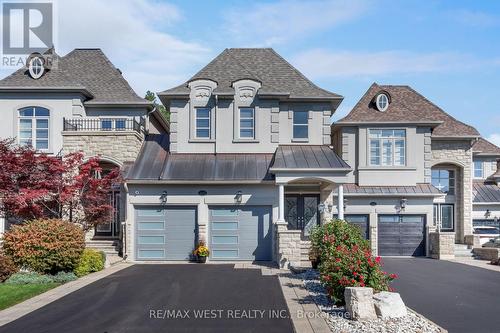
387, 147
300, 125
203, 123
247, 123
478, 169
34, 127
444, 180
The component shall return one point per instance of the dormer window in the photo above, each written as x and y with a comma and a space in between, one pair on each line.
382, 102
35, 67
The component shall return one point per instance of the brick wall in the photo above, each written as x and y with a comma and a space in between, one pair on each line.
458, 153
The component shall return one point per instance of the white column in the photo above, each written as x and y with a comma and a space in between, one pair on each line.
340, 203
281, 202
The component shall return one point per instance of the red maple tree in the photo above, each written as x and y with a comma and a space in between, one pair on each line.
34, 185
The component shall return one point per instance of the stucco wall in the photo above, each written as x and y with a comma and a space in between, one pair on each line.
273, 126
458, 153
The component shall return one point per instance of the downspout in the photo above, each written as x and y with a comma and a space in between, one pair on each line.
124, 223
146, 126
215, 123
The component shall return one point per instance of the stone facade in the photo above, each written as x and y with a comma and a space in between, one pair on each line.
459, 154
288, 246
442, 245
116, 146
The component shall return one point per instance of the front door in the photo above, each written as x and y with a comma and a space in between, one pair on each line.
112, 228
301, 211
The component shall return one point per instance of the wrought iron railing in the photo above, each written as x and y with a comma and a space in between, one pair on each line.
102, 124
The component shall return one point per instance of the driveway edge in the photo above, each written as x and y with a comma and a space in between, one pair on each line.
19, 310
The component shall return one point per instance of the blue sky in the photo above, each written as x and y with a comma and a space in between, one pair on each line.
447, 50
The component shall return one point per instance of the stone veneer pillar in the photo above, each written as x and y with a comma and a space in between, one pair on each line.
442, 245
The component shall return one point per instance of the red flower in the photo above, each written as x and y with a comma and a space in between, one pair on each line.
377, 260
393, 276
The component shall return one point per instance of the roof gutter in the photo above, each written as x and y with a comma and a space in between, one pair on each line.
360, 123
309, 169
194, 181
82, 90
391, 194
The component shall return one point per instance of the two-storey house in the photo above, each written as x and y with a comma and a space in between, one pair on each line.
247, 166
77, 102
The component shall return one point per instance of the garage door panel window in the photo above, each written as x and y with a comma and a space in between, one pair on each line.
224, 212
225, 254
151, 254
147, 240
224, 225
224, 239
151, 226
150, 212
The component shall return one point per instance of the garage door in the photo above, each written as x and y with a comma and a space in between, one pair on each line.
361, 221
401, 235
240, 233
165, 233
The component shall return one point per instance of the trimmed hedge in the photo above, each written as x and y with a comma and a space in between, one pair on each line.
7, 267
90, 261
45, 246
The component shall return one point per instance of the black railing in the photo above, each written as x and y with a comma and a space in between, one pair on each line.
102, 124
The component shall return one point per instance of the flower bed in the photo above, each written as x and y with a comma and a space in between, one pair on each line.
338, 319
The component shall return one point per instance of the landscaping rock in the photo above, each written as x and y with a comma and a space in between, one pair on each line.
359, 303
389, 305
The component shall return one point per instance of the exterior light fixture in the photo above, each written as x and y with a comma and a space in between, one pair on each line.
487, 214
202, 192
321, 208
345, 203
330, 206
163, 198
238, 197
403, 203
373, 203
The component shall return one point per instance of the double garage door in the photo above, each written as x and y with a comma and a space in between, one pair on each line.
235, 233
401, 235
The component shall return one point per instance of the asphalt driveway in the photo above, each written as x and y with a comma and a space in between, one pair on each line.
458, 297
167, 298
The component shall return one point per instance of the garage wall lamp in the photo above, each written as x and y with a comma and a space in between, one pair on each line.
487, 214
402, 203
163, 198
238, 197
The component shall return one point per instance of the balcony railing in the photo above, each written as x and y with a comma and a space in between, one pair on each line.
102, 125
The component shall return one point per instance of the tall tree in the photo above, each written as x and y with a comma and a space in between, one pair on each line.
150, 96
34, 185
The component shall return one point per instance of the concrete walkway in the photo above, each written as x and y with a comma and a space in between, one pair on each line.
35, 303
477, 263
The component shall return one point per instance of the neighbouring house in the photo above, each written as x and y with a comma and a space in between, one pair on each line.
81, 102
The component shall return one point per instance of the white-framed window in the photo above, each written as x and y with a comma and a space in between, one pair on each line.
300, 124
35, 67
247, 123
33, 127
478, 169
202, 123
444, 180
382, 102
387, 147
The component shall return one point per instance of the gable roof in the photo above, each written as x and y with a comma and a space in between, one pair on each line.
407, 106
484, 147
275, 74
85, 70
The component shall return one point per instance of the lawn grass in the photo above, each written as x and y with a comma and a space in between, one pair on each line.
11, 294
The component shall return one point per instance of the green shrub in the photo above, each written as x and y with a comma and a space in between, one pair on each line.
7, 267
29, 278
346, 260
90, 261
45, 246
63, 277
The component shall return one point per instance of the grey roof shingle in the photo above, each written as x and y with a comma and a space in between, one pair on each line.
419, 189
407, 106
87, 69
485, 193
307, 157
484, 147
276, 75
155, 163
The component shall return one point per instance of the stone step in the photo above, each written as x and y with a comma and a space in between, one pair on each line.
461, 246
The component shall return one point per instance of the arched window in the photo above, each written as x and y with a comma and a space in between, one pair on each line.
34, 127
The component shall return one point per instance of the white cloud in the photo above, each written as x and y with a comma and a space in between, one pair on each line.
320, 63
494, 138
475, 18
274, 23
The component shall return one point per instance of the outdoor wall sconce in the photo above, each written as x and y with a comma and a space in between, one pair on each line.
321, 208
202, 193
373, 203
345, 203
330, 206
403, 203
239, 197
163, 197
487, 214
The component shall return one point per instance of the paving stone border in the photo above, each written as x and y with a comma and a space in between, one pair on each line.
35, 303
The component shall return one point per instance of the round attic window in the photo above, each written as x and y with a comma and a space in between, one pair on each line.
382, 102
36, 68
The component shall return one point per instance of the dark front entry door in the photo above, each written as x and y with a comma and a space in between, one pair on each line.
111, 229
301, 211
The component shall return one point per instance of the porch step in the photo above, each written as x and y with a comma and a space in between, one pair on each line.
110, 247
462, 251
